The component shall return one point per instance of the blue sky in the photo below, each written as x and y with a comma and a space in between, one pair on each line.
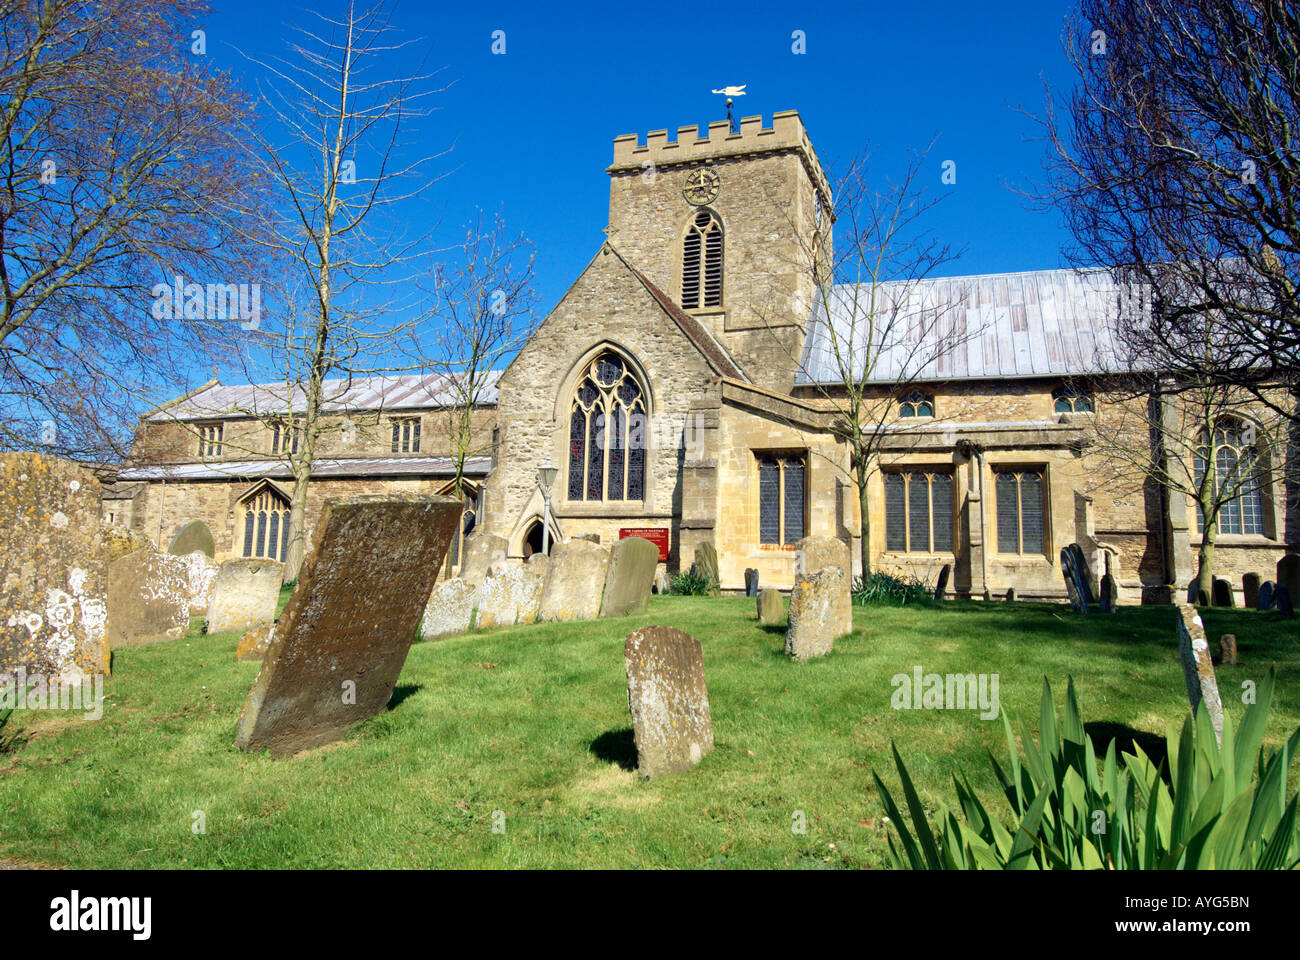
532, 130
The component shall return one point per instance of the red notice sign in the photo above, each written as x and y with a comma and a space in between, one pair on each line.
656, 535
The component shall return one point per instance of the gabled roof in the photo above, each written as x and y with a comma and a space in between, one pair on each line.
215, 400
1037, 323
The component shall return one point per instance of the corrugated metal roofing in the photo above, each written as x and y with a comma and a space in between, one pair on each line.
1032, 324
256, 469
408, 392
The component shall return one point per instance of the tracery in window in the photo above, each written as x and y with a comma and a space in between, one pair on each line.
607, 433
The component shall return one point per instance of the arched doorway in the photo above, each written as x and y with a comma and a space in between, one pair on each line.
532, 542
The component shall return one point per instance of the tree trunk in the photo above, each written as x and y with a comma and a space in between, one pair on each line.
297, 551
1205, 563
865, 525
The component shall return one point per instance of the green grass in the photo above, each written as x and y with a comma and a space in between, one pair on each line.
533, 721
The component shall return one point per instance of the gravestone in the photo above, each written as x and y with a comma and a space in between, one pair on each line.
814, 554
509, 595
1228, 649
941, 586
662, 584
814, 618
195, 535
1288, 574
1222, 596
1267, 598
481, 551
254, 643
575, 581
148, 598
449, 610
1011, 594
246, 593
538, 562
1075, 584
706, 566
1109, 594
632, 564
1080, 562
751, 582
668, 700
589, 537
53, 593
119, 541
344, 635
771, 606
1282, 600
1198, 671
201, 577
1250, 590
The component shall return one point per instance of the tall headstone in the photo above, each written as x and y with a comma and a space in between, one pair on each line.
814, 618
632, 563
1222, 595
341, 642
1198, 671
941, 586
668, 700
1075, 583
771, 607
1109, 594
814, 554
1267, 595
53, 594
509, 595
195, 535
751, 582
1228, 649
246, 593
481, 551
1079, 561
1283, 601
706, 565
1250, 590
1288, 574
148, 598
201, 576
449, 610
575, 581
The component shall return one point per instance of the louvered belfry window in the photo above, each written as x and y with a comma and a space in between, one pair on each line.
608, 433
702, 263
918, 512
1020, 511
782, 500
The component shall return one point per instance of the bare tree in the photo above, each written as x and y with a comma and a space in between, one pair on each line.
335, 158
484, 305
116, 173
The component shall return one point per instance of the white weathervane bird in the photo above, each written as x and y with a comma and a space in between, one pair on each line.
730, 92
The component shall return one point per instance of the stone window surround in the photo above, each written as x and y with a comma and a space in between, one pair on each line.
779, 454
994, 467
720, 310
958, 492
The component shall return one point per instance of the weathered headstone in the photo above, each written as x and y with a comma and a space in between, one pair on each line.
481, 551
706, 565
1222, 595
344, 635
119, 541
1250, 590
449, 610
201, 576
1267, 595
1198, 671
148, 598
538, 563
1011, 594
589, 537
668, 700
814, 618
662, 584
195, 535
941, 585
1079, 560
1109, 594
254, 643
751, 582
246, 593
1075, 585
575, 581
53, 594
1288, 574
632, 563
771, 606
814, 554
1282, 600
1228, 649
510, 594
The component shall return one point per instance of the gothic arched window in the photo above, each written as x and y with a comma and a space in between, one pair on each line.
916, 404
1236, 476
266, 525
1070, 399
702, 262
607, 433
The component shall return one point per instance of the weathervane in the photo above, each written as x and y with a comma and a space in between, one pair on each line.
730, 92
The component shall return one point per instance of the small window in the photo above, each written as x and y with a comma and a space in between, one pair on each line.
1020, 511
406, 435
210, 435
916, 404
918, 512
1070, 399
782, 499
284, 439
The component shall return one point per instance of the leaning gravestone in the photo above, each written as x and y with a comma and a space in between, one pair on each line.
253, 644
575, 581
632, 563
668, 700
245, 594
1267, 589
538, 562
1198, 671
1109, 594
481, 551
195, 535
510, 594
814, 554
449, 610
1250, 590
706, 566
201, 577
148, 598
1282, 600
1222, 595
1080, 561
751, 582
340, 644
771, 607
1075, 584
53, 594
1288, 574
941, 587
662, 585
814, 619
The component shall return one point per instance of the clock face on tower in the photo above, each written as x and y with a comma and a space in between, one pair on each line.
701, 187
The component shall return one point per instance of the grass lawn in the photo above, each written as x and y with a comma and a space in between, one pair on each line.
533, 722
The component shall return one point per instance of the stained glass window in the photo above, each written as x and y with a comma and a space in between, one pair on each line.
895, 512
266, 525
1020, 511
794, 501
607, 435
769, 501
918, 512
1236, 476
916, 404
1071, 399
781, 499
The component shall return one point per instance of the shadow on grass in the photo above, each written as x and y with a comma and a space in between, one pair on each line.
616, 746
401, 692
1125, 738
